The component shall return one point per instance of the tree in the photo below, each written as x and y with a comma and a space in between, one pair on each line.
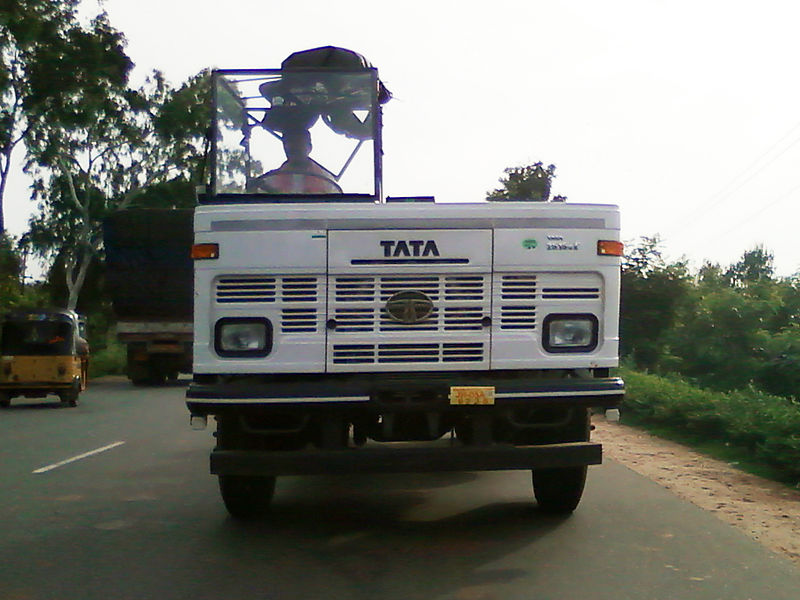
755, 265
99, 146
79, 141
531, 182
733, 335
652, 295
780, 372
720, 342
14, 293
181, 121
26, 28
725, 328
10, 273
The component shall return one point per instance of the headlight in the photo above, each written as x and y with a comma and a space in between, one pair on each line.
570, 333
243, 337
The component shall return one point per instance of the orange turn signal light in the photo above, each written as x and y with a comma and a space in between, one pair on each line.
205, 251
610, 248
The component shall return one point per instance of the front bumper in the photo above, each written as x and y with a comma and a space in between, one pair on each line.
19, 389
398, 391
415, 459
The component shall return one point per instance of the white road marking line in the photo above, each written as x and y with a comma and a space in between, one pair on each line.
79, 457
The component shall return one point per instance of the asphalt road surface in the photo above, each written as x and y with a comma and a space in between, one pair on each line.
113, 500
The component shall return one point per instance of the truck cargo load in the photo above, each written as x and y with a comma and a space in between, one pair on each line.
149, 278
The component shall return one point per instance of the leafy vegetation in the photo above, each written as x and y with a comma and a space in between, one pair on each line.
531, 182
715, 355
32, 33
722, 328
13, 292
109, 360
756, 424
93, 143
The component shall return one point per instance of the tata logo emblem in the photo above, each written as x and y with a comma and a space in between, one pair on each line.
409, 307
402, 248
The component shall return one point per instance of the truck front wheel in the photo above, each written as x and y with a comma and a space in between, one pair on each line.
246, 497
558, 491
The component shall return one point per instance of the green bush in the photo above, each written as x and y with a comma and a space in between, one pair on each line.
765, 426
110, 360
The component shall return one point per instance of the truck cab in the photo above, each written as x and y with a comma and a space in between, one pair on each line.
336, 330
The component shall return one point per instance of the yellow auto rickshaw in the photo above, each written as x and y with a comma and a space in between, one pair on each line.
43, 352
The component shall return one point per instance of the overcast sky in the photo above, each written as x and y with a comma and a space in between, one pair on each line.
684, 113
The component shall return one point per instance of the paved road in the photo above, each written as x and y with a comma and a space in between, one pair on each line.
142, 520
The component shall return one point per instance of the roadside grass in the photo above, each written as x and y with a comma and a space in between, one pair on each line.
110, 360
723, 451
757, 432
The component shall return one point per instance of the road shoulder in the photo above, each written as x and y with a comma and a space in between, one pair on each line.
767, 511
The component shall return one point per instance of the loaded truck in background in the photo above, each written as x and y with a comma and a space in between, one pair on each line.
149, 278
340, 331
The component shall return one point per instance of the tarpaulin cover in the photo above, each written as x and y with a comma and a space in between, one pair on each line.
332, 57
149, 270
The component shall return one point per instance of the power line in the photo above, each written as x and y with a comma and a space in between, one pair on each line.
757, 160
749, 218
688, 219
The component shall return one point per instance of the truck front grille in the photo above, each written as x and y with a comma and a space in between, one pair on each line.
411, 353
257, 288
437, 287
353, 320
245, 289
296, 297
364, 334
515, 306
358, 303
361, 332
518, 287
518, 317
298, 320
521, 298
571, 293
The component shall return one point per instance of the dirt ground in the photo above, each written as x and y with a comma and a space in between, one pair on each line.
767, 511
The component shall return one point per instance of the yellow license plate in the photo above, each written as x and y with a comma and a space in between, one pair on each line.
472, 395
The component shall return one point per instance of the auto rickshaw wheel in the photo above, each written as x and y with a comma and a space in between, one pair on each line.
70, 396
5, 400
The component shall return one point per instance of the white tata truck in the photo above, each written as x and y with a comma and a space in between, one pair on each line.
338, 331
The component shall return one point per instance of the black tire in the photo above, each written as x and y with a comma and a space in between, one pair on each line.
157, 377
70, 396
138, 372
246, 497
5, 400
144, 377
559, 491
